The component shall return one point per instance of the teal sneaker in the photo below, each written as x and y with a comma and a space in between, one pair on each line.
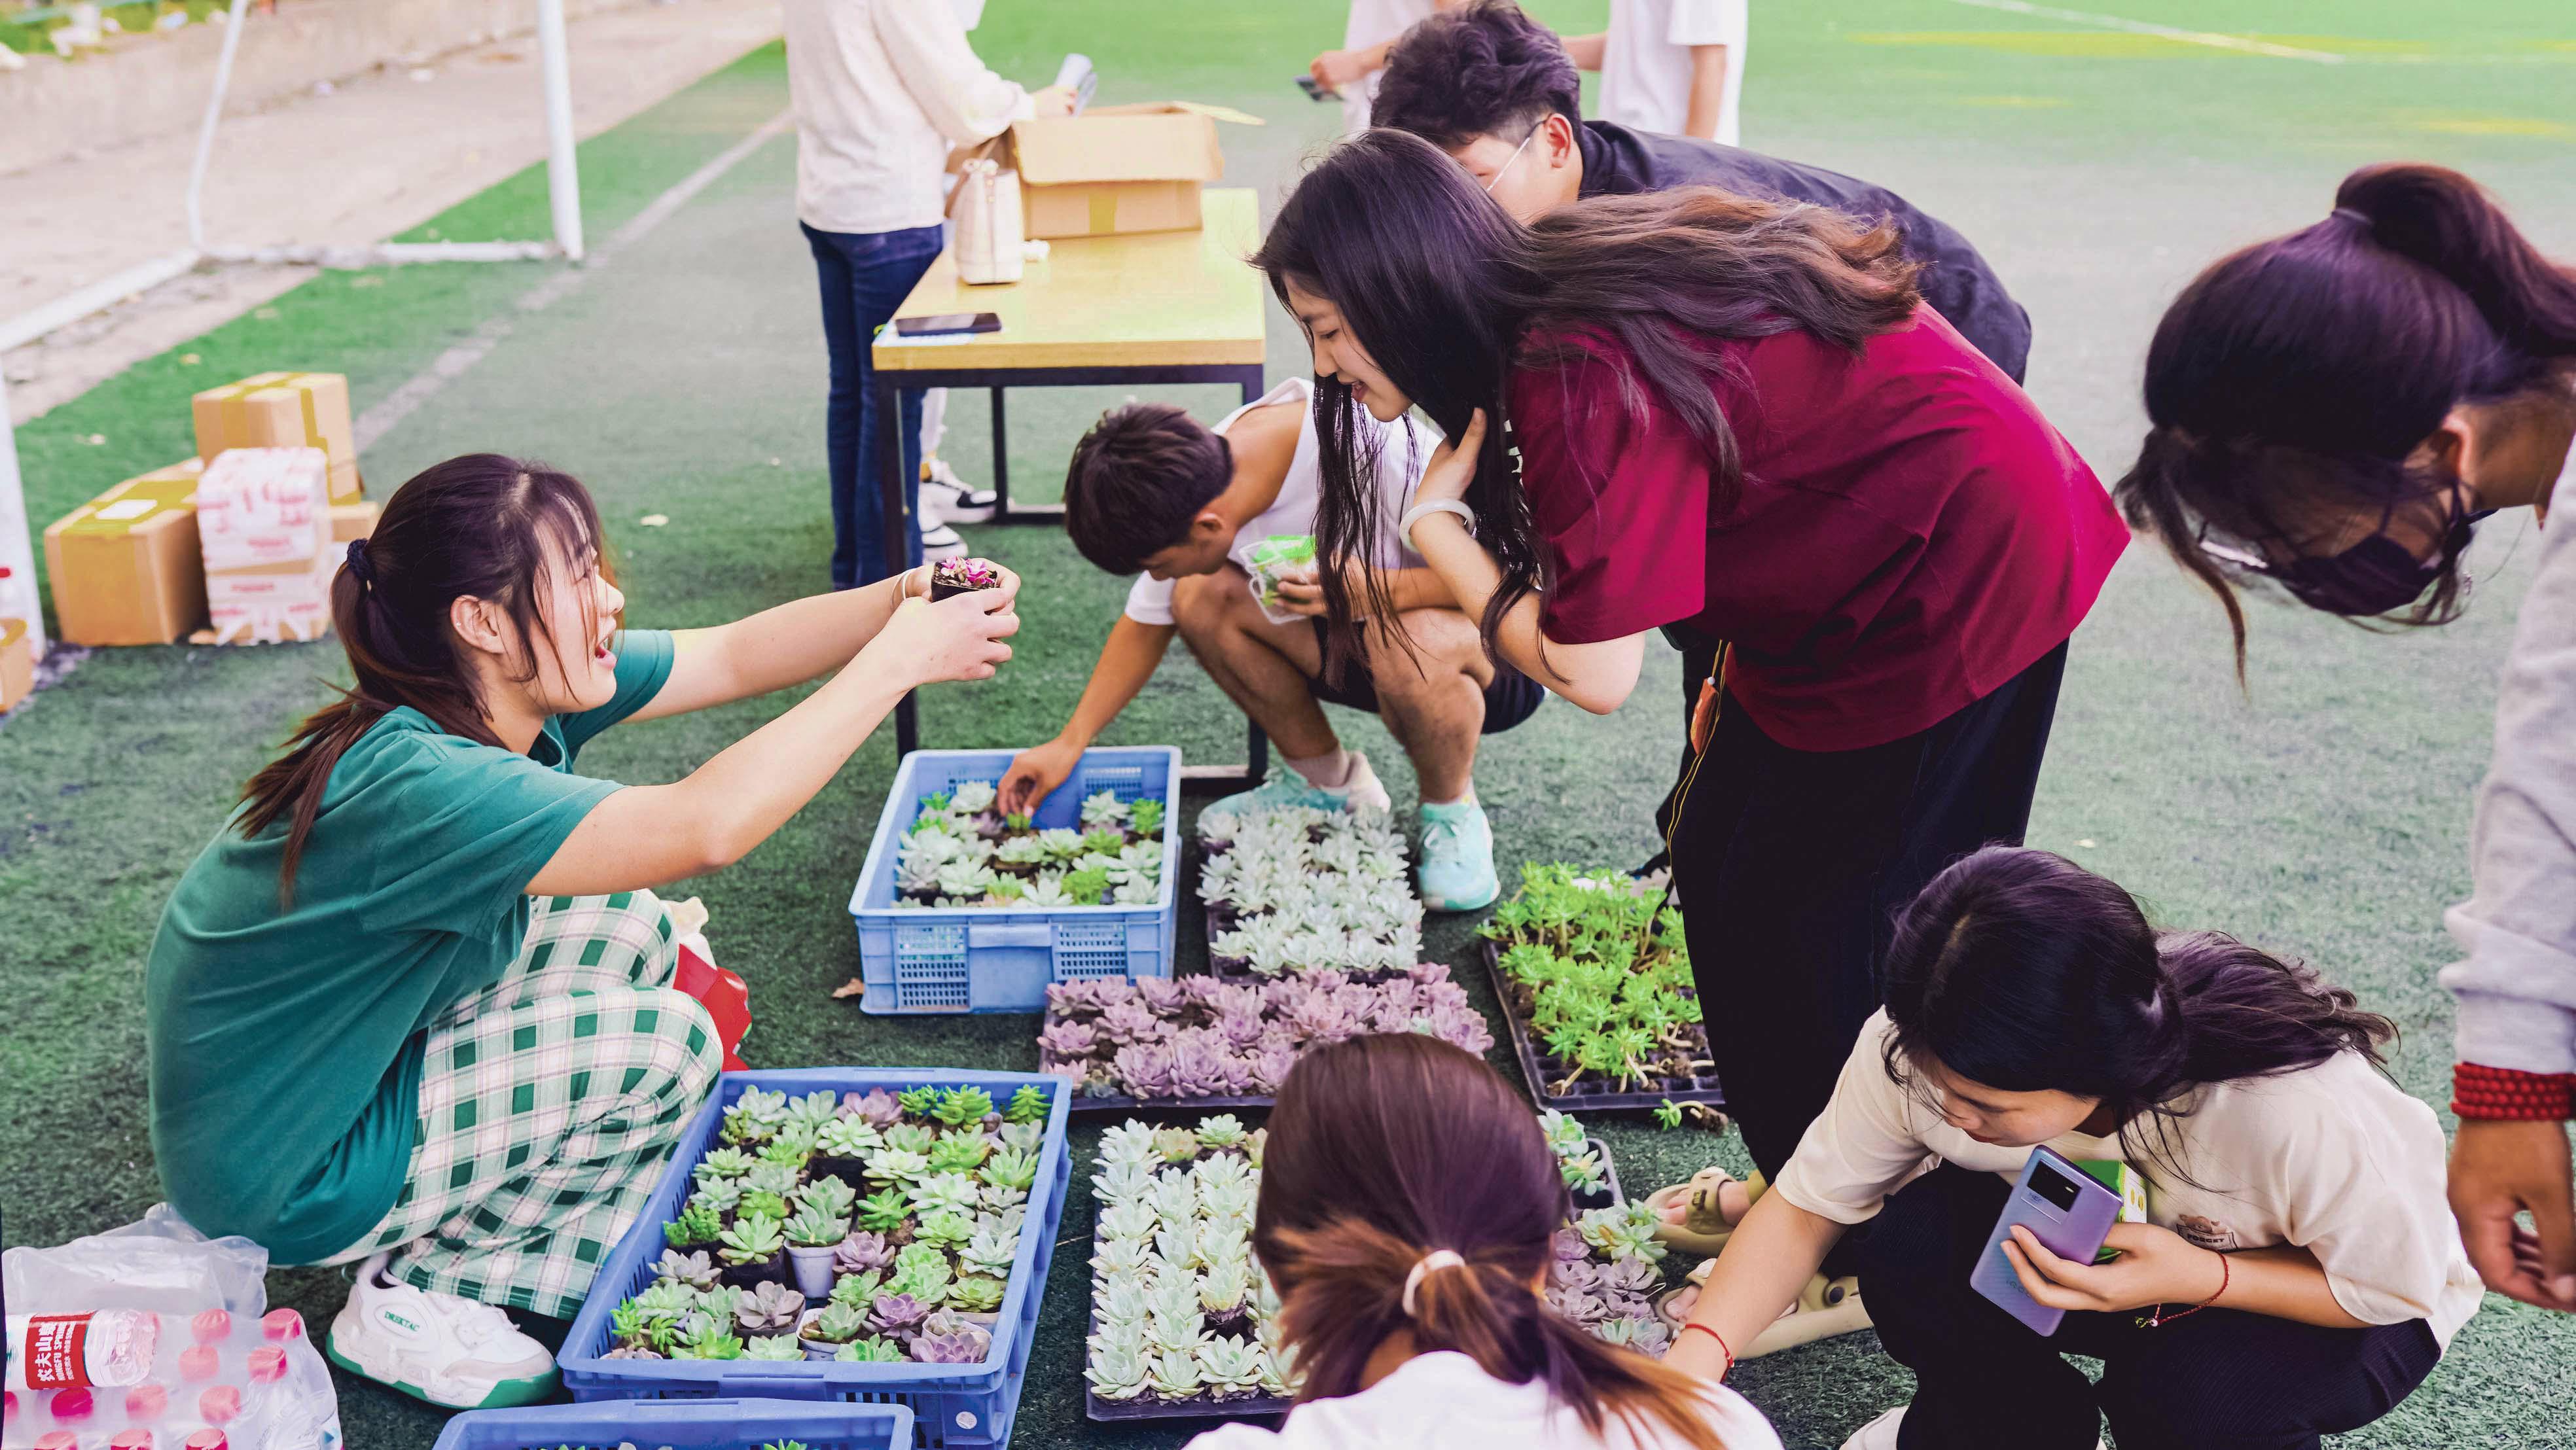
1285, 788
1456, 870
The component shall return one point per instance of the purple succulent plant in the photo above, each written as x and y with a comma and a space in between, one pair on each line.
1130, 1022
1161, 995
1146, 1068
967, 1346
877, 1107
1428, 971
1576, 1276
862, 1253
1067, 1041
1203, 1065
1226, 999
1241, 1031
1269, 1067
894, 1313
1569, 1247
1072, 1000
1108, 992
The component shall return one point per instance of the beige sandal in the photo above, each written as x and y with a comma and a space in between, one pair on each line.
1823, 1309
1703, 1229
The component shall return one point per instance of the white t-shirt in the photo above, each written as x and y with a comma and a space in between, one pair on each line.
882, 90
1445, 1401
1646, 63
1374, 23
2332, 1158
1403, 448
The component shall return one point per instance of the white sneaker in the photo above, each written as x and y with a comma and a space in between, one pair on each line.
448, 1351
1880, 1434
956, 499
938, 541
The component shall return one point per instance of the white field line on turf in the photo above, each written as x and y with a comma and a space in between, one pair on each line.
456, 361
2211, 38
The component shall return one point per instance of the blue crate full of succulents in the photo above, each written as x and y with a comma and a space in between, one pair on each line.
683, 1425
962, 908
879, 1235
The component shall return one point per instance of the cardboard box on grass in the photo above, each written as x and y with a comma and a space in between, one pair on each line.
284, 410
264, 525
2125, 1181
126, 567
17, 664
1119, 168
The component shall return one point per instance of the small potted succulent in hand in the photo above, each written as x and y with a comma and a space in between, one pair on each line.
754, 1251
771, 1308
952, 577
837, 1325
811, 1236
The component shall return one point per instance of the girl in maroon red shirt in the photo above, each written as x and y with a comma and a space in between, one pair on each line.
1699, 410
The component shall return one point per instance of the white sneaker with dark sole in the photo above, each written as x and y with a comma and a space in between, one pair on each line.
938, 541
451, 1352
955, 499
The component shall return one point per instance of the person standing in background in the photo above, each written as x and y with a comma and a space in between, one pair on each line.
882, 90
1673, 67
1352, 71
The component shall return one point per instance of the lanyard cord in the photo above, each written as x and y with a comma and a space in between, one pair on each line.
1699, 756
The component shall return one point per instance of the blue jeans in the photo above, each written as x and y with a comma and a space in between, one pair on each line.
865, 277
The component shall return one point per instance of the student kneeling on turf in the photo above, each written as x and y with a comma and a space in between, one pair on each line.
1151, 489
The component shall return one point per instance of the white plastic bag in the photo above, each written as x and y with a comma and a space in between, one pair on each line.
992, 236
161, 1263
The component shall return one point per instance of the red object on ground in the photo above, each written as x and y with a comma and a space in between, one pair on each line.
218, 1405
727, 1000
146, 1402
211, 1326
198, 1362
282, 1325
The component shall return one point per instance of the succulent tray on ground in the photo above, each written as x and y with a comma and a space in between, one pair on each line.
1299, 890
1595, 985
1204, 1042
1172, 1190
961, 851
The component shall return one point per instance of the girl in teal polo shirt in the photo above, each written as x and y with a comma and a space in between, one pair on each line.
413, 1005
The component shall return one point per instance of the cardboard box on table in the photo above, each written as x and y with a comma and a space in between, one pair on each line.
264, 524
126, 567
353, 521
284, 410
1118, 169
17, 664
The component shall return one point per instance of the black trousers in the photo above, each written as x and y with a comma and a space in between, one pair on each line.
1790, 867
2215, 1380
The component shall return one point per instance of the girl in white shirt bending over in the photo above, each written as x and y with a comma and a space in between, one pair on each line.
1407, 1208
2300, 1275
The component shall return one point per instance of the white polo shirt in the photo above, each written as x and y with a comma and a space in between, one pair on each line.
1646, 64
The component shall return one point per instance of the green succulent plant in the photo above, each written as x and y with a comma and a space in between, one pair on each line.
1011, 1168
1028, 1105
856, 1290
812, 1228
829, 1194
754, 1238
774, 1347
1146, 817
837, 1324
762, 1204
695, 1224
959, 1106
947, 1229
721, 1163
960, 1152
976, 1294
918, 1101
871, 1351
910, 1138
884, 1211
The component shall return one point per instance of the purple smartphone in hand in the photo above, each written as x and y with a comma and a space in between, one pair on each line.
2066, 1209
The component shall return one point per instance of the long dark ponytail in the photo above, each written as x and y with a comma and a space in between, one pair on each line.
475, 526
2293, 380
2023, 971
1448, 294
1383, 1149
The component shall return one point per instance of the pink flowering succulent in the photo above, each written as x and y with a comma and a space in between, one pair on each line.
1067, 1040
877, 1108
862, 1253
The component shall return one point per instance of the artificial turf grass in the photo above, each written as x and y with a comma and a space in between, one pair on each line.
2328, 816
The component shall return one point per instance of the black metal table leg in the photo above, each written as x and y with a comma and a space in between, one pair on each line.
886, 403
1001, 460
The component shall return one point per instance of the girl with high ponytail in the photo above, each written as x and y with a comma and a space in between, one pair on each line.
2334, 410
1407, 1209
2298, 1274
412, 1008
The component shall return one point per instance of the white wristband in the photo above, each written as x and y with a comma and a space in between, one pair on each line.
1415, 515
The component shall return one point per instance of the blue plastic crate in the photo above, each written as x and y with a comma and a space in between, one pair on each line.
682, 1425
993, 960
955, 1406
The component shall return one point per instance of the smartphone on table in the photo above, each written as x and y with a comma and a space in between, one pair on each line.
2066, 1209
947, 322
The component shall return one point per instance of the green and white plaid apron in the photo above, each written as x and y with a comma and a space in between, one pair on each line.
549, 1103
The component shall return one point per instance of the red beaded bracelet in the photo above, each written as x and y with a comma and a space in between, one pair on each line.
2226, 1271
1713, 1334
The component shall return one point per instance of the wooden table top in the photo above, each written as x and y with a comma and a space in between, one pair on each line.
1146, 299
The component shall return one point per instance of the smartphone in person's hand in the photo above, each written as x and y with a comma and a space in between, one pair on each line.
2066, 1209
1316, 90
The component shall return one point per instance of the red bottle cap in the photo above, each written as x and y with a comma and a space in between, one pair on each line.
219, 1405
209, 1439
281, 1325
132, 1437
146, 1402
8, 1405
211, 1326
58, 1440
267, 1365
198, 1362
71, 1406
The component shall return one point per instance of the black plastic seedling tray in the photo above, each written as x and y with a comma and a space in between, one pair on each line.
1586, 1097
1198, 1107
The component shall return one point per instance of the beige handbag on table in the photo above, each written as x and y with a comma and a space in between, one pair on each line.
992, 236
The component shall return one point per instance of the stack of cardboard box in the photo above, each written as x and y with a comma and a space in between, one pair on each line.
17, 660
1116, 169
129, 568
264, 525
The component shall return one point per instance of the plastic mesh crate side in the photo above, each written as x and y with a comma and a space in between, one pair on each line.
1087, 949
714, 1424
930, 967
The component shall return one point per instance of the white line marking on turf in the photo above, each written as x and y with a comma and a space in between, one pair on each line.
2212, 38
456, 361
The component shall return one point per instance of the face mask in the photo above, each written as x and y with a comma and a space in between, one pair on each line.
2375, 576
1506, 168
